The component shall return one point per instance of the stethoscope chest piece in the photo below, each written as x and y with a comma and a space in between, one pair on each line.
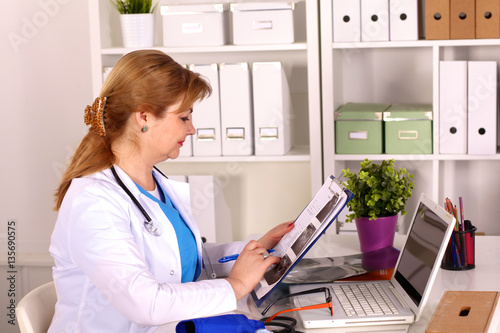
152, 229
148, 224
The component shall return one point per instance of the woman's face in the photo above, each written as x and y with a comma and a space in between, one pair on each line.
167, 134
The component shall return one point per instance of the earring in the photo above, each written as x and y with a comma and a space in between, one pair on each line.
144, 129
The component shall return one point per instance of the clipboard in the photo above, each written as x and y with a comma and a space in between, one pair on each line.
311, 223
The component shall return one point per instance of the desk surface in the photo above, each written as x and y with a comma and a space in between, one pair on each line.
483, 278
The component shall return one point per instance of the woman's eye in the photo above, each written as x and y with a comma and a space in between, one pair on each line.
185, 118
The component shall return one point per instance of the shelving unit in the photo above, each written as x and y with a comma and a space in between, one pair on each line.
301, 63
300, 60
407, 72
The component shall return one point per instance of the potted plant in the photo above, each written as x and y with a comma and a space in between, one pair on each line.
137, 21
380, 194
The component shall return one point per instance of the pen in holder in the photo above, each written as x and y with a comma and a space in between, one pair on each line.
460, 253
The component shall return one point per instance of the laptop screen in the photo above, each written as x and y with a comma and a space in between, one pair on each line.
420, 252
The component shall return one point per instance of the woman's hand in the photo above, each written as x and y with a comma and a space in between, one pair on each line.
249, 268
273, 236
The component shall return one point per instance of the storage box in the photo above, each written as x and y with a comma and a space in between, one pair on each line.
358, 128
487, 19
374, 20
236, 109
462, 19
408, 129
272, 109
403, 20
262, 23
190, 25
346, 21
437, 19
206, 116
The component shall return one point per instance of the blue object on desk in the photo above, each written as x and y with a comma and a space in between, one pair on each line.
235, 256
229, 323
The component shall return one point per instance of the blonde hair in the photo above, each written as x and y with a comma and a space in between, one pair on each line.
147, 79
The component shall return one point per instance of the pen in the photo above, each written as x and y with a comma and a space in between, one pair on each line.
234, 256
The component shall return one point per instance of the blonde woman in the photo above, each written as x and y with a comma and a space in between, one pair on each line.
127, 251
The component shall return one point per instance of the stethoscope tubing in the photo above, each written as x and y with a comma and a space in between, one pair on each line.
148, 224
136, 202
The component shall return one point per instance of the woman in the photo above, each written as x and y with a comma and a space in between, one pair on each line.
114, 270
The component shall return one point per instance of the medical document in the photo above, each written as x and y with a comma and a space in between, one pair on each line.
308, 227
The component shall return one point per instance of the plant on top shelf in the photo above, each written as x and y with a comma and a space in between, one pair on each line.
137, 22
134, 6
379, 190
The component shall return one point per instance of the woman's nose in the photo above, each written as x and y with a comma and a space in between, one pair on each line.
191, 129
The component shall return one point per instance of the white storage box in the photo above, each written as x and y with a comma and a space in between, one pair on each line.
262, 23
190, 25
236, 109
272, 109
206, 116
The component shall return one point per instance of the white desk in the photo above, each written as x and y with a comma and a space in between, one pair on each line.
485, 277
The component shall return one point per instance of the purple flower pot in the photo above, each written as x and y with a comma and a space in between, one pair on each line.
376, 234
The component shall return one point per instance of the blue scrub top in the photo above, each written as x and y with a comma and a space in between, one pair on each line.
185, 237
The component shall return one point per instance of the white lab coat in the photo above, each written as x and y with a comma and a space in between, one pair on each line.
111, 275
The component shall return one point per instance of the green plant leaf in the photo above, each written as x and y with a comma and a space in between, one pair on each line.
380, 189
134, 6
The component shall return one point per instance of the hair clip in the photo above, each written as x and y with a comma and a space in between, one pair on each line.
94, 115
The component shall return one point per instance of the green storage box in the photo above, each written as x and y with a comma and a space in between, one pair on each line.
408, 129
358, 128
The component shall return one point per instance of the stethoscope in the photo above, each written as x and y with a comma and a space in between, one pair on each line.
149, 224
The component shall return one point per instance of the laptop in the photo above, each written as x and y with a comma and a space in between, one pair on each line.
408, 289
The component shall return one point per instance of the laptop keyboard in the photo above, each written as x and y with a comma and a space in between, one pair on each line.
364, 299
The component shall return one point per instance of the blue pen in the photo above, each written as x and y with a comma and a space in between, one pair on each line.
234, 256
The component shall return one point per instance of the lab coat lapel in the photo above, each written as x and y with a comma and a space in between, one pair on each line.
179, 195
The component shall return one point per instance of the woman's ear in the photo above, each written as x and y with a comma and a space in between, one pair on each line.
141, 116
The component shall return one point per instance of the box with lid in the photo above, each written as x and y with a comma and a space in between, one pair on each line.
195, 25
358, 128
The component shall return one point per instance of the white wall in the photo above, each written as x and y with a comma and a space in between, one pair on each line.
45, 81
45, 86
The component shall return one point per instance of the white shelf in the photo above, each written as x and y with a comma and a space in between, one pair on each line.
301, 59
296, 154
417, 43
214, 49
414, 157
407, 72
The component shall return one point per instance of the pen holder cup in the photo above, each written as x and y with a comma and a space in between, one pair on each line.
460, 253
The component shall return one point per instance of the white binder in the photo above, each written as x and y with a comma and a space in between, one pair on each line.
374, 20
187, 148
403, 19
236, 109
453, 107
206, 115
346, 21
272, 109
210, 209
482, 102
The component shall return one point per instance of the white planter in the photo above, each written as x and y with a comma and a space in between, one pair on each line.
137, 30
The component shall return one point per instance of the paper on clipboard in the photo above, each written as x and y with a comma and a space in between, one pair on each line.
309, 226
